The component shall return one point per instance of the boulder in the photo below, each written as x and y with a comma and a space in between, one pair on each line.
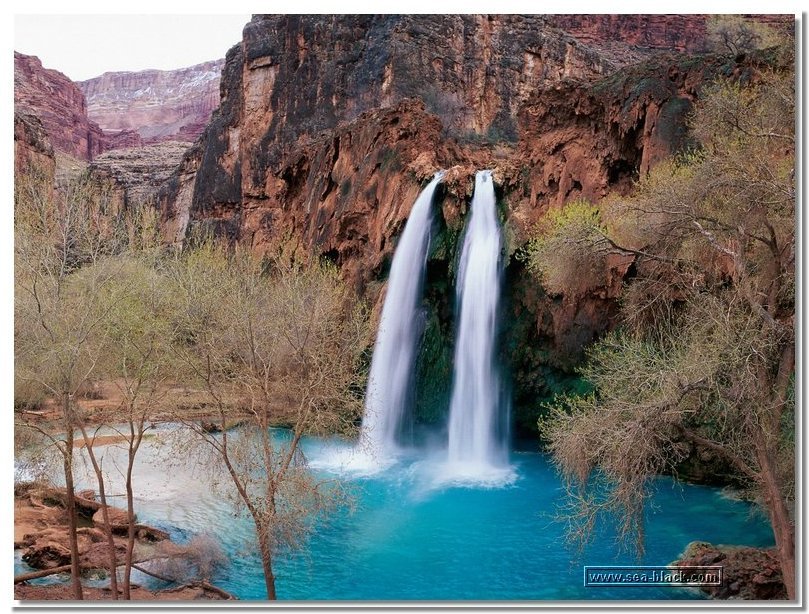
747, 573
118, 519
46, 555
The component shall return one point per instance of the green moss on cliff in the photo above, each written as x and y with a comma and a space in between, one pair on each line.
434, 370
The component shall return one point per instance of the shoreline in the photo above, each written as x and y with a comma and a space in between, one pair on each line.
40, 531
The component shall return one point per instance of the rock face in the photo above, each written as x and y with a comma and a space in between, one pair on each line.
157, 105
295, 76
32, 149
318, 147
137, 173
60, 106
644, 33
668, 32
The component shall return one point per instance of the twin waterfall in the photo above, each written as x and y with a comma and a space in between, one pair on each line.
476, 439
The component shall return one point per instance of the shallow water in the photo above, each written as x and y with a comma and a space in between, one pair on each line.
415, 536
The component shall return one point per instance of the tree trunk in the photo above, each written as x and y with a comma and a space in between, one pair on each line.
779, 518
266, 563
105, 513
130, 535
70, 502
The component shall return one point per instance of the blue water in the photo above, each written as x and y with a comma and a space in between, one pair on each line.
408, 539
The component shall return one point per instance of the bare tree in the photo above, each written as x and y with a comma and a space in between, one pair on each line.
67, 298
274, 345
736, 34
58, 330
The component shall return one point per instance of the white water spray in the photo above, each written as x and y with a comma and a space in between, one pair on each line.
395, 351
476, 441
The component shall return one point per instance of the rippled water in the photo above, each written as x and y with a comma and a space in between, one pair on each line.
412, 536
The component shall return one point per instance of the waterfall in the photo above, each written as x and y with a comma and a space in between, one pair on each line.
395, 351
476, 441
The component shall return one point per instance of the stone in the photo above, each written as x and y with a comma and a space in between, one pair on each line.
747, 573
47, 555
118, 519
153, 106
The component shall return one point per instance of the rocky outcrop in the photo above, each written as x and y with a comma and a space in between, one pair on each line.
32, 149
157, 105
42, 513
747, 573
136, 174
345, 195
61, 108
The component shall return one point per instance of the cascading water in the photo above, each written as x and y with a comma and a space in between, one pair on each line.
399, 331
476, 440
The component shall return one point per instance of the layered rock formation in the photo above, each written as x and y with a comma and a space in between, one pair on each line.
136, 174
60, 106
157, 105
627, 38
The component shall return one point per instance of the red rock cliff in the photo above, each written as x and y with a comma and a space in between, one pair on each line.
294, 77
59, 104
653, 32
62, 109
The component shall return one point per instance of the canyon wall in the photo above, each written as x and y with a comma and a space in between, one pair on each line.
60, 106
32, 149
328, 127
135, 175
293, 78
158, 105
116, 110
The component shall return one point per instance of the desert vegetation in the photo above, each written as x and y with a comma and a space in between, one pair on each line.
265, 341
706, 350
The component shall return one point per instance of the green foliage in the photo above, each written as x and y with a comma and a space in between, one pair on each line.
706, 354
567, 253
735, 34
433, 371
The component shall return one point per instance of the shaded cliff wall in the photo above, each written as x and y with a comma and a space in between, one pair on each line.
32, 149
